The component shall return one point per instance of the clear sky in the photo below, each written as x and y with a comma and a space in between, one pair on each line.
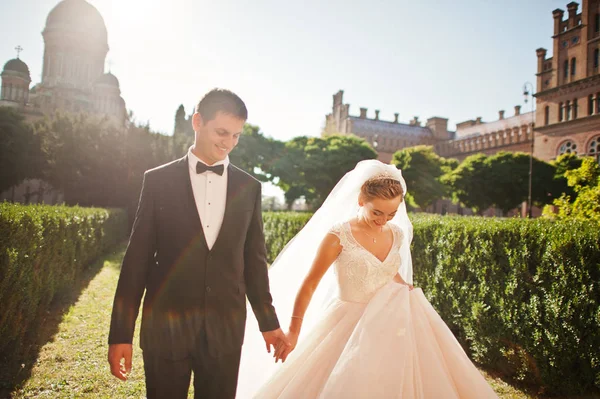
455, 59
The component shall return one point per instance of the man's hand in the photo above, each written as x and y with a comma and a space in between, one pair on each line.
116, 352
272, 338
283, 351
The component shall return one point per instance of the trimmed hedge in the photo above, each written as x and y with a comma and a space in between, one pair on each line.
523, 296
280, 228
43, 249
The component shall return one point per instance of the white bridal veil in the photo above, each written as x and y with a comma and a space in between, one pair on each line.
293, 263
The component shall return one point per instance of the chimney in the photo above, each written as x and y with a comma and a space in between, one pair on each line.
501, 115
541, 55
415, 121
558, 15
363, 113
478, 121
572, 7
517, 110
376, 114
396, 117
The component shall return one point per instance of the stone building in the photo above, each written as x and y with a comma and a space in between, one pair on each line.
73, 77
73, 80
386, 137
568, 95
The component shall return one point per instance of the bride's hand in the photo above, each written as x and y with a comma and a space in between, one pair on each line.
282, 351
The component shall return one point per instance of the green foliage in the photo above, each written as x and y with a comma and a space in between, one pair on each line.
468, 182
42, 251
502, 180
585, 182
522, 296
280, 228
19, 149
255, 153
422, 169
311, 166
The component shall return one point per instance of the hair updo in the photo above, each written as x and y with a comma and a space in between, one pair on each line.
382, 187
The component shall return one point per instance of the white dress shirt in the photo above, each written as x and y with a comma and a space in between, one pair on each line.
210, 194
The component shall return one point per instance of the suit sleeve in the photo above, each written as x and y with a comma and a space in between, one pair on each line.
256, 271
132, 280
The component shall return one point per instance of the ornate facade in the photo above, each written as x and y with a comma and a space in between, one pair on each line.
73, 78
568, 97
566, 119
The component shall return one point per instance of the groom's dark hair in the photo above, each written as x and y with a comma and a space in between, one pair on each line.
221, 100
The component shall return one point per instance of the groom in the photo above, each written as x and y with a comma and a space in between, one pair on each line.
196, 249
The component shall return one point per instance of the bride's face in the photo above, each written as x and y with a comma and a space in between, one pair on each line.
378, 211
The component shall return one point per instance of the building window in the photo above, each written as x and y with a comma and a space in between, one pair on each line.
573, 66
597, 23
575, 109
568, 110
546, 115
597, 103
568, 147
561, 112
591, 105
593, 149
596, 58
566, 69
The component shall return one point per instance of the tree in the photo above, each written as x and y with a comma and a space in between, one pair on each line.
469, 183
585, 181
288, 171
255, 153
311, 166
509, 180
422, 169
19, 149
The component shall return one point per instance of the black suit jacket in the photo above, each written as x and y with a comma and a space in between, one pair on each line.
187, 286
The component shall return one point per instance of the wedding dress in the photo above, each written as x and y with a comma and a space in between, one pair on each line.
375, 338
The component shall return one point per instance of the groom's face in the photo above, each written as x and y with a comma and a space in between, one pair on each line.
217, 137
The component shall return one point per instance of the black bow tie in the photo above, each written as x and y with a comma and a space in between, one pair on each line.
201, 168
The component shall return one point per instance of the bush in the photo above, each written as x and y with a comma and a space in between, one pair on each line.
523, 296
43, 249
281, 227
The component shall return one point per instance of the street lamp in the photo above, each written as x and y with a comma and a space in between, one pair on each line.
528, 92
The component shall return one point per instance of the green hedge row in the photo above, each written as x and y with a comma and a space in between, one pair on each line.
281, 227
42, 250
523, 296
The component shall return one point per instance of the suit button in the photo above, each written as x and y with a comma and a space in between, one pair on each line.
208, 289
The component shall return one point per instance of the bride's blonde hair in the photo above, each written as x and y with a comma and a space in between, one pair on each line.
381, 186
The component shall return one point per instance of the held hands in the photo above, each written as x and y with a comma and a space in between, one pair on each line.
283, 351
116, 352
276, 339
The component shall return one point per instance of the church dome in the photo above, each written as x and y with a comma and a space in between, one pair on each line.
77, 16
108, 79
16, 68
16, 65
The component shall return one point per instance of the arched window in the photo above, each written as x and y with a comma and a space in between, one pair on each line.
573, 66
568, 110
593, 148
575, 109
591, 105
546, 115
567, 147
566, 69
596, 58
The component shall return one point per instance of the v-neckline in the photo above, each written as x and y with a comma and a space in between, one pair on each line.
366, 250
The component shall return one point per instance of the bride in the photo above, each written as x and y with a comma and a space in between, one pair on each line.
368, 333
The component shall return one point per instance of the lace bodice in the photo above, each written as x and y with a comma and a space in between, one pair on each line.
359, 273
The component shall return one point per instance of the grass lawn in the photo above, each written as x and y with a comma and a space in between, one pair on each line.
71, 360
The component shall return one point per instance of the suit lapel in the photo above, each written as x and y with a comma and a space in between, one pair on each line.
190, 202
